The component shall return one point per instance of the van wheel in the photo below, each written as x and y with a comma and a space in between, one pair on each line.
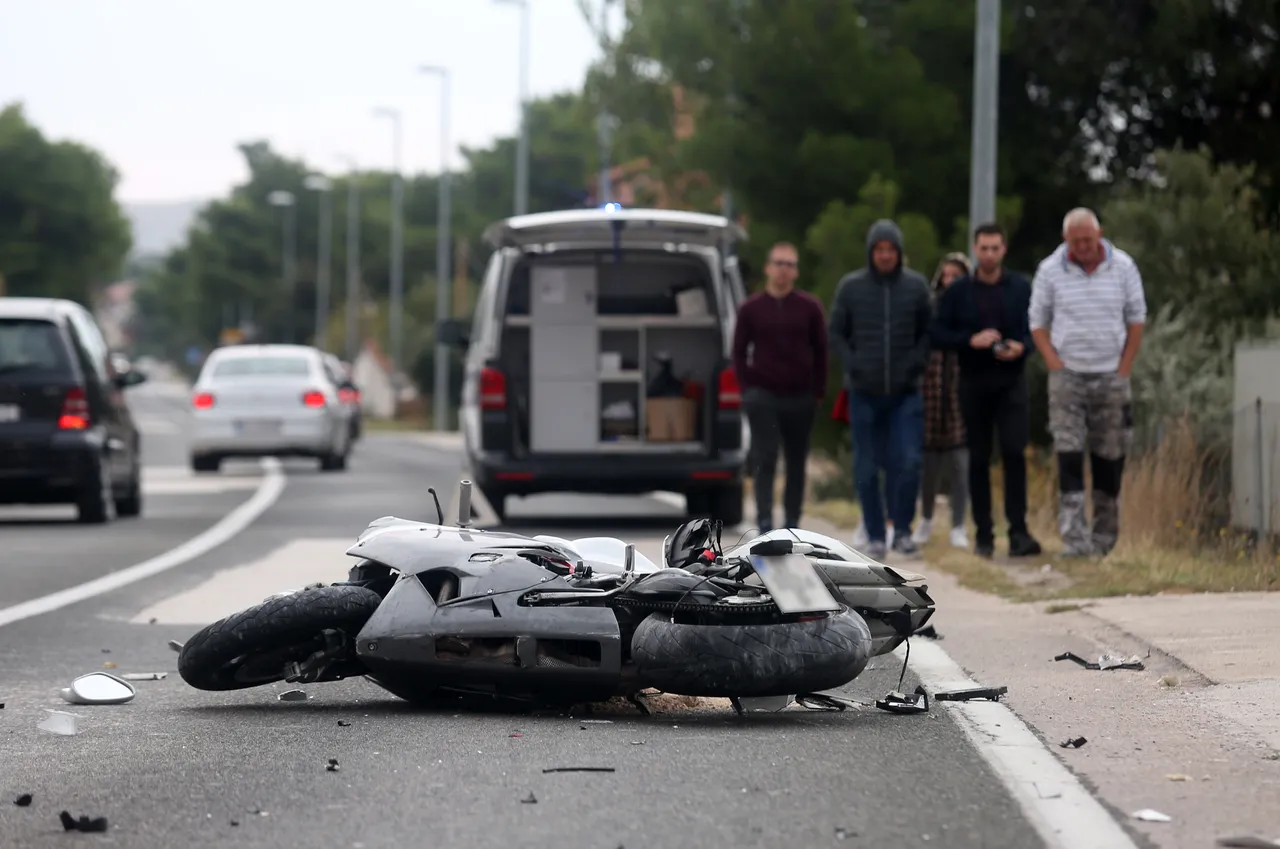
205, 463
96, 502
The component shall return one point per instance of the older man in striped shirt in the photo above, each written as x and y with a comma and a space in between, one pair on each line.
1087, 314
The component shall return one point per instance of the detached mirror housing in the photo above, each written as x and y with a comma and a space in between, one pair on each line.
454, 332
99, 688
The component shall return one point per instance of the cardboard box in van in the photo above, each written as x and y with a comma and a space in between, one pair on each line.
670, 419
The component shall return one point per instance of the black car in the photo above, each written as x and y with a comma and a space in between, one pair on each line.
66, 434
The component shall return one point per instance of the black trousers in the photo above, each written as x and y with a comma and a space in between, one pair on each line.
1001, 405
778, 422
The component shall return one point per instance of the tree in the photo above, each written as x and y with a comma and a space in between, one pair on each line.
61, 230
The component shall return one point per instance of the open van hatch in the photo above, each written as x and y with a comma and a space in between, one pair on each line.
616, 352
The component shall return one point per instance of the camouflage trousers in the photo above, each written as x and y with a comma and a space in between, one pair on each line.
1093, 414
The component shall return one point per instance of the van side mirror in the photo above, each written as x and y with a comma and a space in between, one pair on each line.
454, 332
132, 377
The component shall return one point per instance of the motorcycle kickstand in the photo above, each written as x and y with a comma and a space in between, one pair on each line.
635, 700
737, 706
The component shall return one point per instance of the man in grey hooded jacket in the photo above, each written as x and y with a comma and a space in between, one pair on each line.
879, 331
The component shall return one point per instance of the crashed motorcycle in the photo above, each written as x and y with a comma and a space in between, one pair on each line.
435, 611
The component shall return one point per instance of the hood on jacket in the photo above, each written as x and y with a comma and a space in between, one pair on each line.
884, 230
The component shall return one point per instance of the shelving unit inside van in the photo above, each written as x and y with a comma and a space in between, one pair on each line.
592, 356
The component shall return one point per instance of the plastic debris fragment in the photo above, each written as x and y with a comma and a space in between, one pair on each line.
1148, 815
84, 823
145, 676
293, 696
60, 722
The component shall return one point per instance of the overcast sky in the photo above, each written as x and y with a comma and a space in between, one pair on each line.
167, 88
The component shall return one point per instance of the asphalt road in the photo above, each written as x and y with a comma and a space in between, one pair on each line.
180, 767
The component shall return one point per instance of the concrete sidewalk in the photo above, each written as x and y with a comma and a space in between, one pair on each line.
1195, 735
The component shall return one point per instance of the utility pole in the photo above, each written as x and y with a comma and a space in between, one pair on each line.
986, 111
288, 266
522, 143
605, 126
322, 187
395, 319
353, 261
440, 389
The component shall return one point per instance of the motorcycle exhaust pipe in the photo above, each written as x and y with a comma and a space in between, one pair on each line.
464, 504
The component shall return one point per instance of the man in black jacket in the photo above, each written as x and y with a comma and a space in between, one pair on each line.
984, 318
879, 330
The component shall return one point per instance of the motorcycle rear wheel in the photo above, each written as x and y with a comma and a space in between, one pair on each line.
223, 655
727, 660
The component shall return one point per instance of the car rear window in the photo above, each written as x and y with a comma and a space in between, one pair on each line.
31, 345
266, 366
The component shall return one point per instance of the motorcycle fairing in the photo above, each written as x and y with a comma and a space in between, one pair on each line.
461, 627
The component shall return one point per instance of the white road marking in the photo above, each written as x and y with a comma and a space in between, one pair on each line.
291, 566
272, 485
156, 425
1058, 806
671, 499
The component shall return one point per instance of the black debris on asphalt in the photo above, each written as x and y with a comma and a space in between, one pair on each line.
826, 702
929, 632
1249, 842
896, 702
844, 833
1105, 662
580, 769
991, 694
1073, 743
342, 723
332, 766
529, 800
70, 823
235, 822
175, 645
23, 801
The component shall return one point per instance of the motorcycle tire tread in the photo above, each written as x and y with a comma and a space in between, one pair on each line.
723, 661
272, 624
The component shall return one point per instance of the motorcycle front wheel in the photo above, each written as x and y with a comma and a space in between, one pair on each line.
725, 660
254, 647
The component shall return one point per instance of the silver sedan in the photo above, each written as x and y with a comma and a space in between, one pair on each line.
268, 401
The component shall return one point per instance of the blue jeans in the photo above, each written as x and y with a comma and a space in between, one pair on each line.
888, 435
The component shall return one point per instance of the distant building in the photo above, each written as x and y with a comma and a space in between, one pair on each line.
114, 309
384, 391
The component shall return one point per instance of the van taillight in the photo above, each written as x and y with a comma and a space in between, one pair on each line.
313, 399
493, 389
75, 410
202, 401
730, 398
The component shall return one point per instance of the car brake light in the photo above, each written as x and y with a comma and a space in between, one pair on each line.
730, 397
493, 389
348, 396
202, 401
75, 410
313, 399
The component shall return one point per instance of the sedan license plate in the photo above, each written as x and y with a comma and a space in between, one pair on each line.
794, 584
9, 413
258, 427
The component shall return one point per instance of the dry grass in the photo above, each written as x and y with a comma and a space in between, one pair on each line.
396, 425
1168, 541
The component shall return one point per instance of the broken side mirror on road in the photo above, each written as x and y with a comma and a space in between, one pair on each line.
99, 688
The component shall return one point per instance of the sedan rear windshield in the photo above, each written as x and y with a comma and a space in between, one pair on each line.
267, 366
31, 345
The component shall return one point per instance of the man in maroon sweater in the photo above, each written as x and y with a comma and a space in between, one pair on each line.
780, 357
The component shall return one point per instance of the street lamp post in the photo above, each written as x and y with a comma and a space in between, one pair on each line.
522, 143
288, 263
353, 259
323, 188
440, 392
986, 111
395, 308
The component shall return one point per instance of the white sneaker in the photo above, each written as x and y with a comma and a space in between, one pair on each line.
959, 539
923, 532
860, 538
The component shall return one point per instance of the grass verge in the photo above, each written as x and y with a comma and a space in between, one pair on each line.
396, 425
1168, 543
